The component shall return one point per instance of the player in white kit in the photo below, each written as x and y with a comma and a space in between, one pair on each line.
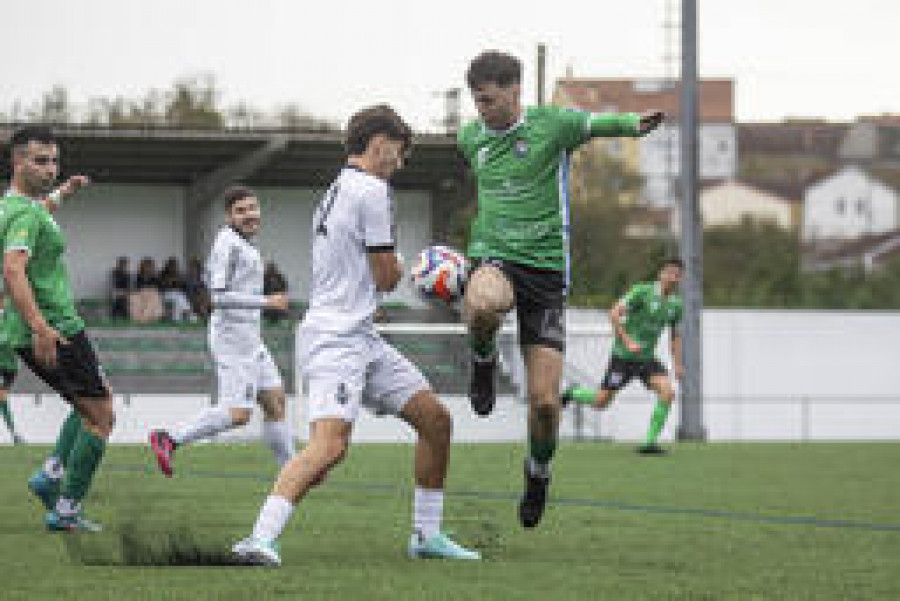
344, 363
247, 375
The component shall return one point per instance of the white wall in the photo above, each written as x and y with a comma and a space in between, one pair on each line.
869, 207
768, 375
106, 221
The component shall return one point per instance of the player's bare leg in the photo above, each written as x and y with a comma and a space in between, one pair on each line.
544, 372
434, 426
275, 430
489, 296
662, 386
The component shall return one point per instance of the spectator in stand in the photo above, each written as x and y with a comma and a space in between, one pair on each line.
145, 304
120, 280
274, 282
196, 290
172, 287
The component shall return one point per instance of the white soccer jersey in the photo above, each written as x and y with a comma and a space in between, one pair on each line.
354, 218
234, 275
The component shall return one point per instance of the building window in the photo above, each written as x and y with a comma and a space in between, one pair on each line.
723, 146
861, 207
840, 206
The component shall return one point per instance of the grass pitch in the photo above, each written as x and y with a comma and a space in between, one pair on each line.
742, 521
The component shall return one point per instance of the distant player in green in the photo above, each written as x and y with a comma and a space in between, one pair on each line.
519, 244
638, 321
9, 365
41, 323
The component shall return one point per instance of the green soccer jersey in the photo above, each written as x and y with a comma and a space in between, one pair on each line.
523, 204
8, 361
647, 313
27, 225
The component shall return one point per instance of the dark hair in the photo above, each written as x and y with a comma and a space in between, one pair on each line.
369, 122
31, 133
672, 261
493, 66
236, 193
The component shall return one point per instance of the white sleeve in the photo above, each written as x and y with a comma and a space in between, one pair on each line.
220, 270
378, 220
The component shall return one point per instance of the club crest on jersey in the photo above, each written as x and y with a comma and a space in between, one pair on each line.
520, 148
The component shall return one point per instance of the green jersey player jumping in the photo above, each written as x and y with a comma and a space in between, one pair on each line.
519, 244
638, 321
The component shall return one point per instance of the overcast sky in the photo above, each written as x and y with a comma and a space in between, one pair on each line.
788, 57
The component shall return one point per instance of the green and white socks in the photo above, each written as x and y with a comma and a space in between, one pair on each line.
83, 462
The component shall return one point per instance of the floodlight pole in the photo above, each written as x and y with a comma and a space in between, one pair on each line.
691, 424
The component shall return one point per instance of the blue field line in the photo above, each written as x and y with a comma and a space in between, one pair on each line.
502, 496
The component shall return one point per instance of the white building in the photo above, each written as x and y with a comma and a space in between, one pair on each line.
730, 202
848, 204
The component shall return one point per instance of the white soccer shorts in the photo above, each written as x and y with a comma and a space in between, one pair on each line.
343, 371
242, 378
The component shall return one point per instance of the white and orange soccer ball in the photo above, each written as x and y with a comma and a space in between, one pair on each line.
440, 272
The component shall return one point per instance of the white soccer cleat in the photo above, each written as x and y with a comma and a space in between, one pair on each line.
257, 552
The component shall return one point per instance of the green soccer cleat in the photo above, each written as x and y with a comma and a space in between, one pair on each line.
439, 546
57, 522
651, 449
257, 552
46, 489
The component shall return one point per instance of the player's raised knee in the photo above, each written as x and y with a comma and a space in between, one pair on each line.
488, 292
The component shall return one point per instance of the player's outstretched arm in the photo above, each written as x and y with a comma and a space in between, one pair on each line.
65, 191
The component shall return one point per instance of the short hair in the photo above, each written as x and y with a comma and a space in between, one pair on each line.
493, 66
369, 122
235, 193
31, 133
677, 261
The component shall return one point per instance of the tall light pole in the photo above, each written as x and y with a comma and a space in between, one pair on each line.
691, 424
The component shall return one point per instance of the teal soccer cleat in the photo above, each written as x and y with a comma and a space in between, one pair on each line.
57, 522
438, 546
257, 552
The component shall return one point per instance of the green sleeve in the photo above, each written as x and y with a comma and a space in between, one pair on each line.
22, 232
632, 298
575, 127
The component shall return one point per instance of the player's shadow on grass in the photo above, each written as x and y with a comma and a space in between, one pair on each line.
142, 537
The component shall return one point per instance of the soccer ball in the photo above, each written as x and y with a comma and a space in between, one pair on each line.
440, 272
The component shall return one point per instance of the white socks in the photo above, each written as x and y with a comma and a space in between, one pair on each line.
273, 517
210, 422
278, 437
428, 507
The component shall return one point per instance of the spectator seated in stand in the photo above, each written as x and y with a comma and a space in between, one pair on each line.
144, 303
120, 282
172, 288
